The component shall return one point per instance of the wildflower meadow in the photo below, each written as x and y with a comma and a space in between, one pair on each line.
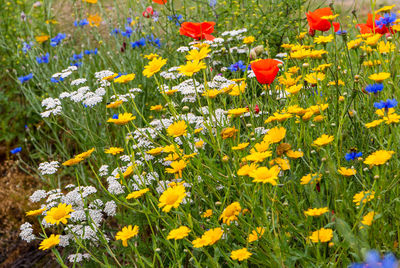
209, 133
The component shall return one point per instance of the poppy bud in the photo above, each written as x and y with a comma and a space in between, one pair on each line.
150, 11
145, 14
256, 109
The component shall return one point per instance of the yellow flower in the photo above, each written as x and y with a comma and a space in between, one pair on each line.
255, 234
199, 144
127, 172
293, 70
155, 151
211, 93
322, 67
261, 147
287, 80
258, 156
265, 175
177, 129
330, 17
122, 119
347, 171
230, 213
198, 54
191, 67
354, 43
294, 89
323, 39
114, 104
379, 77
151, 56
247, 169
172, 197
72, 161
368, 218
59, 214
275, 135
42, 38
178, 233
137, 194
321, 235
318, 118
379, 157
374, 123
206, 214
158, 107
210, 237
94, 20
385, 9
176, 168
294, 154
228, 132
237, 112
323, 140
282, 163
113, 150
316, 211
314, 78
235, 90
363, 197
127, 233
35, 212
154, 66
51, 241
90, 1
249, 39
311, 178
386, 47
110, 77
240, 254
124, 78
240, 146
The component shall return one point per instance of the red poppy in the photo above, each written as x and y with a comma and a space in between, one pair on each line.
336, 26
265, 70
161, 2
370, 25
316, 23
148, 12
198, 30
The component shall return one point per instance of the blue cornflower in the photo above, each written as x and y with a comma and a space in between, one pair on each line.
76, 57
385, 104
352, 156
129, 20
76, 63
26, 47
212, 3
43, 59
154, 41
116, 31
81, 23
128, 31
16, 150
140, 43
25, 78
88, 52
374, 88
57, 39
115, 116
341, 32
386, 20
55, 80
373, 260
177, 19
238, 66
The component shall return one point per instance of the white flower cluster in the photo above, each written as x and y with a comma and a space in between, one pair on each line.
65, 73
53, 106
78, 257
26, 233
47, 168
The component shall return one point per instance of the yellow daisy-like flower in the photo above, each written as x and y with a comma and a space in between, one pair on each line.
236, 90
316, 211
155, 151
237, 112
198, 54
42, 38
294, 154
172, 197
191, 67
249, 39
379, 157
255, 234
124, 78
86, 154
228, 132
367, 219
127, 233
137, 194
247, 169
374, 123
323, 39
59, 214
258, 156
363, 197
323, 140
72, 161
90, 1
230, 213
321, 235
51, 241
310, 178
275, 135
201, 242
158, 107
209, 238
207, 214
176, 168
354, 43
115, 104
35, 212
122, 119
266, 175
127, 172
379, 77
385, 9
177, 129
113, 150
294, 89
211, 93
178, 233
347, 171
240, 146
240, 254
314, 78
151, 56
94, 20
330, 17
110, 77
154, 66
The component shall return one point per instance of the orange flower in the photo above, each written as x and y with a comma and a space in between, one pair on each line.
315, 21
94, 20
161, 2
198, 30
265, 70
